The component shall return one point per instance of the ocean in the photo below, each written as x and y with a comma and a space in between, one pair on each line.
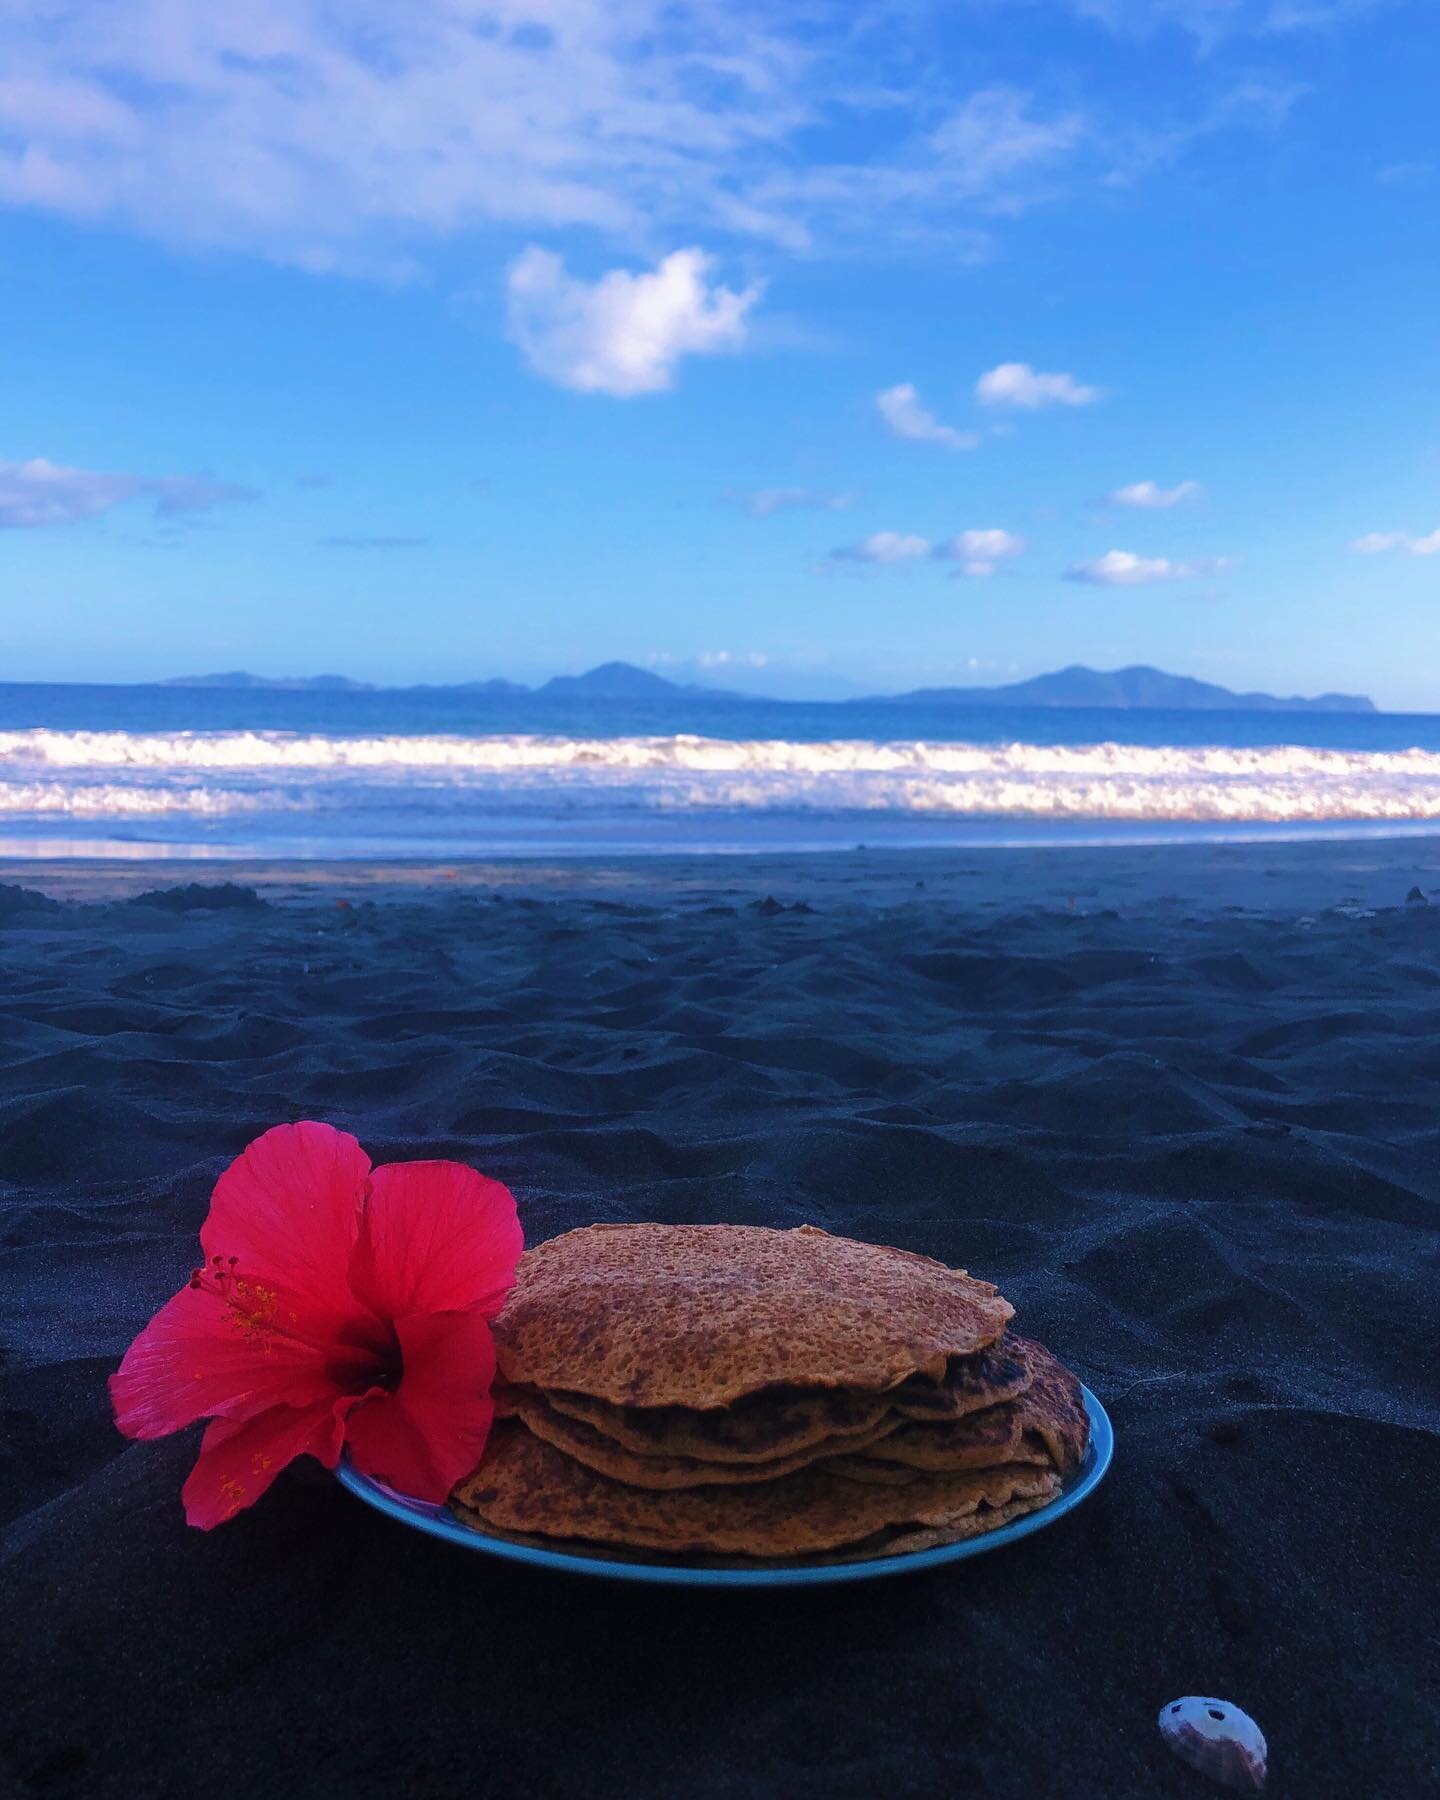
157, 771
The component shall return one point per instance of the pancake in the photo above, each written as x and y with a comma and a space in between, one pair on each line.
699, 1315
1053, 1408
898, 1542
989, 1518
525, 1485
983, 1440
603, 1454
1046, 1425
775, 1422
998, 1372
761, 1427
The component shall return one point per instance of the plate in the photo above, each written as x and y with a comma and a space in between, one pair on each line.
436, 1521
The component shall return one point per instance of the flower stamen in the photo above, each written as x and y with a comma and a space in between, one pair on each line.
252, 1308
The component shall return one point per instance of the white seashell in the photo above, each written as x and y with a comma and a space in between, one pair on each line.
1217, 1739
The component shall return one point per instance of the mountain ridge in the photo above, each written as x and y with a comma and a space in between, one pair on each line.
625, 681
1137, 687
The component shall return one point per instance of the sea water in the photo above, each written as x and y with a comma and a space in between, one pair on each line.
195, 771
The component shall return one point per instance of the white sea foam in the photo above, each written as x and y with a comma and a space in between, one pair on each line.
216, 773
102, 800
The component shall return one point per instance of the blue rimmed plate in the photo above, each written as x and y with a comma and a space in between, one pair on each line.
438, 1522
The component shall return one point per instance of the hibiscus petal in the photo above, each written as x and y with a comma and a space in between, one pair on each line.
200, 1356
289, 1209
431, 1431
240, 1458
436, 1237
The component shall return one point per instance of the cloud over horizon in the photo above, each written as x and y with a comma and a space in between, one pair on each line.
978, 552
38, 493
882, 547
1123, 568
981, 552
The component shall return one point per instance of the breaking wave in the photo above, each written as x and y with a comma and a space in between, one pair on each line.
96, 774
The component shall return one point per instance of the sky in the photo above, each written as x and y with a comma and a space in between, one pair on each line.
805, 346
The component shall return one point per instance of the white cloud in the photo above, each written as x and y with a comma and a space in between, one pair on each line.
624, 333
1374, 542
340, 138
709, 659
977, 552
39, 493
1017, 384
980, 552
1148, 496
1122, 568
993, 136
902, 411
729, 659
884, 547
792, 499
991, 153
353, 139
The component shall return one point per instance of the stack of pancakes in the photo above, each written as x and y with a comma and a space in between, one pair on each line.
733, 1392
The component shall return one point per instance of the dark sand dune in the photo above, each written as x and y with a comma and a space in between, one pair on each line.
1197, 1144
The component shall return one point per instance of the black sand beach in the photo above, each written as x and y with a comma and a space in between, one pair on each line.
1181, 1105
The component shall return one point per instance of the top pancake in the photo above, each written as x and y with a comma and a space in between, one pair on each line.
698, 1315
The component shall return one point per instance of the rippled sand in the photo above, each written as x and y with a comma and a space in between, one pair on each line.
1180, 1105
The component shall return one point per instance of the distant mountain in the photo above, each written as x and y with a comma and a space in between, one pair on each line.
1135, 689
622, 681
241, 678
611, 681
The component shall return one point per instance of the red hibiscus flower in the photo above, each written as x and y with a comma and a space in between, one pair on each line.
337, 1306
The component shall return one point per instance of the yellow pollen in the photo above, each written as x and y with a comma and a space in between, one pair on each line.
253, 1308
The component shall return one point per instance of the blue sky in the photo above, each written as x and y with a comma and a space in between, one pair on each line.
791, 345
